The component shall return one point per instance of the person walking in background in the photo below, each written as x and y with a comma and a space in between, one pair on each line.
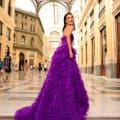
39, 67
1, 65
1, 69
45, 65
7, 66
63, 95
26, 67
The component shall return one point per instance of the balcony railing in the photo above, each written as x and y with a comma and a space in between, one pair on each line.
28, 47
24, 46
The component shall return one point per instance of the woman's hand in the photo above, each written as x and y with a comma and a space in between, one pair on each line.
71, 55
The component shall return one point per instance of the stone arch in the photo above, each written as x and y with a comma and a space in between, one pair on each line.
21, 61
54, 33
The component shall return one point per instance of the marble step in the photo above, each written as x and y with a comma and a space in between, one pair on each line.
89, 118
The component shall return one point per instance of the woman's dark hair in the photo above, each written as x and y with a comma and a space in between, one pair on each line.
65, 20
25, 61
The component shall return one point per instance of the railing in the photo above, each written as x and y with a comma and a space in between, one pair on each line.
28, 47
24, 46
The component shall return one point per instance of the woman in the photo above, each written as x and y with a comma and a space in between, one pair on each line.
25, 67
39, 67
7, 66
45, 65
63, 96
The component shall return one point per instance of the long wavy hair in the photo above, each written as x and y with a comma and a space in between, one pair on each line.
65, 20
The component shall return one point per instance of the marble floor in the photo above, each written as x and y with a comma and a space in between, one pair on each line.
21, 90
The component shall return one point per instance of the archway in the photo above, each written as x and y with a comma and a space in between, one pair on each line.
118, 44
21, 61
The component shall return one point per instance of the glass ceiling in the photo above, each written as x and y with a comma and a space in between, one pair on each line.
51, 15
51, 12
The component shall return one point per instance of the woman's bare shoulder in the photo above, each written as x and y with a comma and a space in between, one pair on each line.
67, 31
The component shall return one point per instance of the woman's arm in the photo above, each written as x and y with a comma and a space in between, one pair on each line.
68, 38
68, 33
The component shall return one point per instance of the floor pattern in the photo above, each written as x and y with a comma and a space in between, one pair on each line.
104, 95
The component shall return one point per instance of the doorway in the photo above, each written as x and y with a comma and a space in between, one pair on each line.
21, 61
118, 44
103, 51
93, 54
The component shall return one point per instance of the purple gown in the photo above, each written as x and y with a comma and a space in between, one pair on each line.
63, 95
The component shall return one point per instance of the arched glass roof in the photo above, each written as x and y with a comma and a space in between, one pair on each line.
51, 12
51, 15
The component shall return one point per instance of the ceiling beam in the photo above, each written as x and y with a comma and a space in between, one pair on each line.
39, 3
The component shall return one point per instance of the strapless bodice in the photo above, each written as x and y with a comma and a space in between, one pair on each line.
64, 41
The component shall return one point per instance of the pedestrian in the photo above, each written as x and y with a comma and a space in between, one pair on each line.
45, 65
63, 95
7, 66
1, 65
26, 67
1, 68
39, 67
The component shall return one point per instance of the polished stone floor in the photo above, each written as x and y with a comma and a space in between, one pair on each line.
21, 90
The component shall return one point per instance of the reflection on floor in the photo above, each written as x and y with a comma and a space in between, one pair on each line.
22, 89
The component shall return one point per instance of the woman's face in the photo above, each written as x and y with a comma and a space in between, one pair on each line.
69, 19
